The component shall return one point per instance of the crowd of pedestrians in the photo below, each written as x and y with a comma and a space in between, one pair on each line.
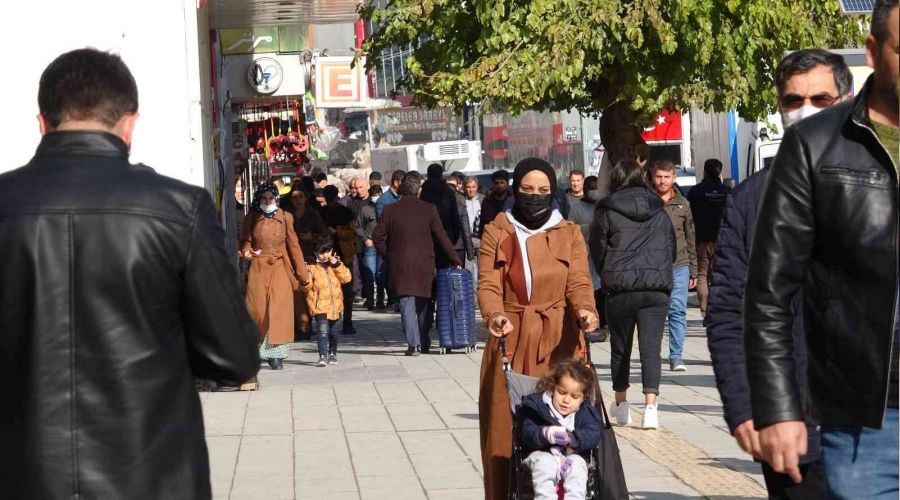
797, 271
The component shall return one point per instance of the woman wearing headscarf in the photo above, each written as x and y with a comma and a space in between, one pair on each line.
277, 269
534, 289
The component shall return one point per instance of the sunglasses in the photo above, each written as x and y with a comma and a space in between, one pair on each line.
794, 101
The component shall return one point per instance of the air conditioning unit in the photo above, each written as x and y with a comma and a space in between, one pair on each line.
449, 150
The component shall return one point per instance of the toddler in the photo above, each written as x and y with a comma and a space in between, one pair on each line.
325, 299
558, 431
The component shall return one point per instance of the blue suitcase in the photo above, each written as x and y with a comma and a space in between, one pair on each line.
455, 310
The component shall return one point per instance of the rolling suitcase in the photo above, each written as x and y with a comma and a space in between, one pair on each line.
455, 310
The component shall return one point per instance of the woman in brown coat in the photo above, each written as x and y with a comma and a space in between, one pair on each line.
533, 283
277, 268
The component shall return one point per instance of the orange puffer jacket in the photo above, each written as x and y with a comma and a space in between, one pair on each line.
323, 292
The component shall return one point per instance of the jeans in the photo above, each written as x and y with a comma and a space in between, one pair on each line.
414, 316
383, 279
327, 334
782, 487
861, 462
370, 262
678, 311
648, 310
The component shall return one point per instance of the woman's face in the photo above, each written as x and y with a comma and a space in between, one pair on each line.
535, 182
267, 198
299, 198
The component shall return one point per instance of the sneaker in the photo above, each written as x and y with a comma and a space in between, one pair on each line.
651, 417
622, 412
322, 361
411, 351
332, 359
677, 365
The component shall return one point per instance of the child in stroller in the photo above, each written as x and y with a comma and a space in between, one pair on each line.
558, 431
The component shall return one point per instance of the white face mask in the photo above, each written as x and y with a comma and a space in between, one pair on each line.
789, 118
268, 208
375, 199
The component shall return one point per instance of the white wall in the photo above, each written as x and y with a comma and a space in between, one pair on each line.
158, 40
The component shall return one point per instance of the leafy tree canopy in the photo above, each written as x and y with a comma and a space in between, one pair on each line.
594, 55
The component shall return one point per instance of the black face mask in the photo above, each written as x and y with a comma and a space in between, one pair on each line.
532, 210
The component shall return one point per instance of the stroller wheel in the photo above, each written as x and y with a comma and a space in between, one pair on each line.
443, 350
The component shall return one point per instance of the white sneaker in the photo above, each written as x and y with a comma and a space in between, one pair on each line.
622, 412
651, 417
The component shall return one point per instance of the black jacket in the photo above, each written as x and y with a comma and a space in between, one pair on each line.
707, 201
828, 227
439, 194
633, 243
724, 331
534, 414
115, 292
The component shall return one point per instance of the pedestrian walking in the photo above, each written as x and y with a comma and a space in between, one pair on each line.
803, 73
581, 212
493, 204
277, 270
473, 200
116, 291
443, 197
534, 289
828, 227
365, 227
325, 298
633, 247
389, 196
684, 272
407, 234
707, 200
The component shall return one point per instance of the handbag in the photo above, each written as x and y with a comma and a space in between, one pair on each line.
609, 472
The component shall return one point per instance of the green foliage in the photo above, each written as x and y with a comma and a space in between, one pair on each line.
591, 54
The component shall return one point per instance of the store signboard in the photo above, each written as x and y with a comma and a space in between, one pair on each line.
256, 40
293, 38
404, 126
340, 83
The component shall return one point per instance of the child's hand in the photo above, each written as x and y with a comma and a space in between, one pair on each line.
555, 435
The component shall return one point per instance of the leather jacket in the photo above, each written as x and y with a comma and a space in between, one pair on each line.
828, 224
115, 293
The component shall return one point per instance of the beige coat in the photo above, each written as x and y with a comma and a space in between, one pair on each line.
270, 291
544, 330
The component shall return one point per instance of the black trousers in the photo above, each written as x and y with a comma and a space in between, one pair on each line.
782, 487
648, 311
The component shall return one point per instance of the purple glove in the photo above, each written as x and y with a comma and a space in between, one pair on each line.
565, 468
555, 435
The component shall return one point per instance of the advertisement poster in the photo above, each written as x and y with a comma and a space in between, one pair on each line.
404, 126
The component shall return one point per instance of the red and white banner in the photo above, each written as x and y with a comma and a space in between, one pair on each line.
666, 126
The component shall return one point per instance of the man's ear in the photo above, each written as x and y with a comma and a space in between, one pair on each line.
871, 50
124, 128
44, 124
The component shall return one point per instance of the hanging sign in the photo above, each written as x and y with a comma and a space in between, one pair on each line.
265, 75
339, 84
257, 40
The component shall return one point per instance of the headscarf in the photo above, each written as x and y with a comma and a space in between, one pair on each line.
265, 187
533, 210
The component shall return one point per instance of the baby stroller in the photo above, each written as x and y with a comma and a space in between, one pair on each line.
517, 386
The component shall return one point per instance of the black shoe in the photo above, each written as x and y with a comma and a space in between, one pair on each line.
368, 305
276, 363
351, 331
425, 349
380, 306
411, 351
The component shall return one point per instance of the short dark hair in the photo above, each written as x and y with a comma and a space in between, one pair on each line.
459, 176
375, 176
397, 176
330, 192
324, 243
626, 174
712, 168
803, 61
640, 151
435, 171
87, 84
375, 190
319, 177
880, 15
663, 164
576, 172
411, 183
500, 175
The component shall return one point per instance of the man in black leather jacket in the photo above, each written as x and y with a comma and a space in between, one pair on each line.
800, 75
115, 292
828, 225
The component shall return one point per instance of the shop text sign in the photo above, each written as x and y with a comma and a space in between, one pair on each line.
340, 83
402, 126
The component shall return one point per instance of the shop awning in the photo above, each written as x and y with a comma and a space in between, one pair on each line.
249, 13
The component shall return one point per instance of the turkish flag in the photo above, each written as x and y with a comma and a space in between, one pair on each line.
666, 126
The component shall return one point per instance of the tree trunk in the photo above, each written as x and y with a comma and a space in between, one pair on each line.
620, 132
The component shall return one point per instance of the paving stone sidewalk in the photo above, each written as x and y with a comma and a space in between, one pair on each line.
380, 425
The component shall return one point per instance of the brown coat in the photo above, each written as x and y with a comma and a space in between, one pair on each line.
270, 292
405, 235
544, 330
